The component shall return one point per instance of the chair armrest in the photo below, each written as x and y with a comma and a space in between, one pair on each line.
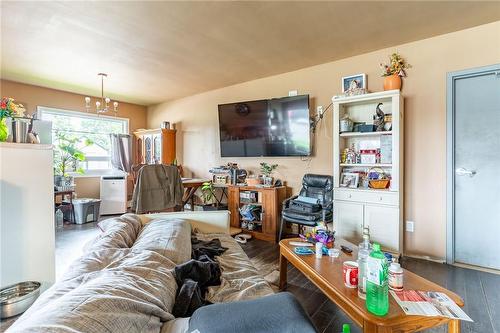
286, 202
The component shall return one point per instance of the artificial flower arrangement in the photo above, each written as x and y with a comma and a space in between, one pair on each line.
9, 109
319, 234
397, 65
394, 71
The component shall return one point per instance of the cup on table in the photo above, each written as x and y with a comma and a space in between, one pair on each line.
350, 273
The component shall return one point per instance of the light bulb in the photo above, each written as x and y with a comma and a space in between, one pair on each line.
87, 100
98, 104
107, 100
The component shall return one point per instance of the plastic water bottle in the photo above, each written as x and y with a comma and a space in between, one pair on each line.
363, 253
59, 219
377, 289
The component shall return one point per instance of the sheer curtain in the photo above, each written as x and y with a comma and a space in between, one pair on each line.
121, 151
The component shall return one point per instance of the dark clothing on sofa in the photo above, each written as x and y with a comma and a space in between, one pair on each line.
210, 248
195, 276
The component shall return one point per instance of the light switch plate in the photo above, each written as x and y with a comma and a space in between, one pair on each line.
410, 226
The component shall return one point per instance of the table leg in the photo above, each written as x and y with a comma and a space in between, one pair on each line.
283, 271
454, 326
72, 208
192, 198
369, 327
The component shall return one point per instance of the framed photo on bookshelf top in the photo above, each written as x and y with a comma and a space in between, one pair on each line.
354, 82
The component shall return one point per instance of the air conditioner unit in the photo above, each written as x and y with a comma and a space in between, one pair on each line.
113, 195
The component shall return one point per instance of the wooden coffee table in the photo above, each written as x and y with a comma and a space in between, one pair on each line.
326, 274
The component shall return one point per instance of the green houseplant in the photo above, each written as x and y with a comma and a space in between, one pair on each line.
207, 195
67, 154
266, 170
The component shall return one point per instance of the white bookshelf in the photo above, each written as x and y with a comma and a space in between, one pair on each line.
354, 208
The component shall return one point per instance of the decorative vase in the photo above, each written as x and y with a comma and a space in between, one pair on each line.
392, 82
4, 130
268, 181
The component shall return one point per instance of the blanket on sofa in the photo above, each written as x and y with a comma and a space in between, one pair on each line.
124, 281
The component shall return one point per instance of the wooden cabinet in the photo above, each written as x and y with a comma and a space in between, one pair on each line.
356, 205
383, 220
348, 218
155, 146
384, 225
270, 199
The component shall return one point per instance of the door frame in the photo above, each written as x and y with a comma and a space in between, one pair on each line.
450, 151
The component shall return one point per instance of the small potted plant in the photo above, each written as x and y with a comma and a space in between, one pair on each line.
67, 153
394, 71
207, 194
266, 170
8, 109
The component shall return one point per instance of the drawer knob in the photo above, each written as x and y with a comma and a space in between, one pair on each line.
380, 198
349, 195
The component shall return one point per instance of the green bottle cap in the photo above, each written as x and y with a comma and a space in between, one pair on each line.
376, 247
346, 328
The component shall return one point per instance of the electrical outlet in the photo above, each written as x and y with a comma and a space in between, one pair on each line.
319, 109
410, 226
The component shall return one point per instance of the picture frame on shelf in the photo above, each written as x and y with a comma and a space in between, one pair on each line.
353, 82
349, 179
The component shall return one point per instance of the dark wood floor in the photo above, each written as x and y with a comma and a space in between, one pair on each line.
480, 291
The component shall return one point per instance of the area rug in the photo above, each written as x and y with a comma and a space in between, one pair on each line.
268, 270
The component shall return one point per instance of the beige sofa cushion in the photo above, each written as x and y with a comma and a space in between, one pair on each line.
169, 237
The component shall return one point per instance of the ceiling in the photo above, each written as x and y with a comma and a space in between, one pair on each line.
157, 51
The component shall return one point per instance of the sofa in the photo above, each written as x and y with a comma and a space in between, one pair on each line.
123, 282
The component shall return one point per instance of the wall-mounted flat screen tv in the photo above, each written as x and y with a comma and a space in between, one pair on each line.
271, 127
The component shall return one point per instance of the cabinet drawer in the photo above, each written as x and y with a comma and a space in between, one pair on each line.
367, 196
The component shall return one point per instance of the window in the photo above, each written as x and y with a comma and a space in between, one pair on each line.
86, 126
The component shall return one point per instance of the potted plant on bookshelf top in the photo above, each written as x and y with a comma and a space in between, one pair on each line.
266, 170
394, 71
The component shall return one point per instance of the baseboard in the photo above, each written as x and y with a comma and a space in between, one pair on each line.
438, 260
478, 268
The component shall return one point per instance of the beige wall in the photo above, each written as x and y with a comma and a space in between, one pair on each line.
32, 96
425, 107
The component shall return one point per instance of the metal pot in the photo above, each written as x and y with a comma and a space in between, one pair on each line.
20, 128
17, 298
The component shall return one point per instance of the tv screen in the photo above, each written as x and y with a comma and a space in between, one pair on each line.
274, 127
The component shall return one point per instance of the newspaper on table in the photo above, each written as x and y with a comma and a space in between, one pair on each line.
428, 303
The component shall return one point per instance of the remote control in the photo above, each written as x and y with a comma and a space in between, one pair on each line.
301, 244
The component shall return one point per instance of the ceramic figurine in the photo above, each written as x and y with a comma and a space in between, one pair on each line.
379, 118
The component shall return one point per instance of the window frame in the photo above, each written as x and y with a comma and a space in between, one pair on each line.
40, 110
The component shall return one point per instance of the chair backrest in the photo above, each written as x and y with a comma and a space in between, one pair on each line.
318, 187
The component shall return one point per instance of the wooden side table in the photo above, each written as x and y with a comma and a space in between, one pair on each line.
271, 199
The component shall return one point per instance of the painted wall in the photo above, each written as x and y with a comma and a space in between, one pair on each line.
425, 107
32, 96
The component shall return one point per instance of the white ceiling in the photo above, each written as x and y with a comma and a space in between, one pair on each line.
156, 51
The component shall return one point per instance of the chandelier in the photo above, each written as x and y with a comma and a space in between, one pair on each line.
101, 106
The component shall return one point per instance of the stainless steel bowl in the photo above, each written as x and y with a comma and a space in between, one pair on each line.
17, 298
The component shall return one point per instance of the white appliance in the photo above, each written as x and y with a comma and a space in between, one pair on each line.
27, 242
113, 194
